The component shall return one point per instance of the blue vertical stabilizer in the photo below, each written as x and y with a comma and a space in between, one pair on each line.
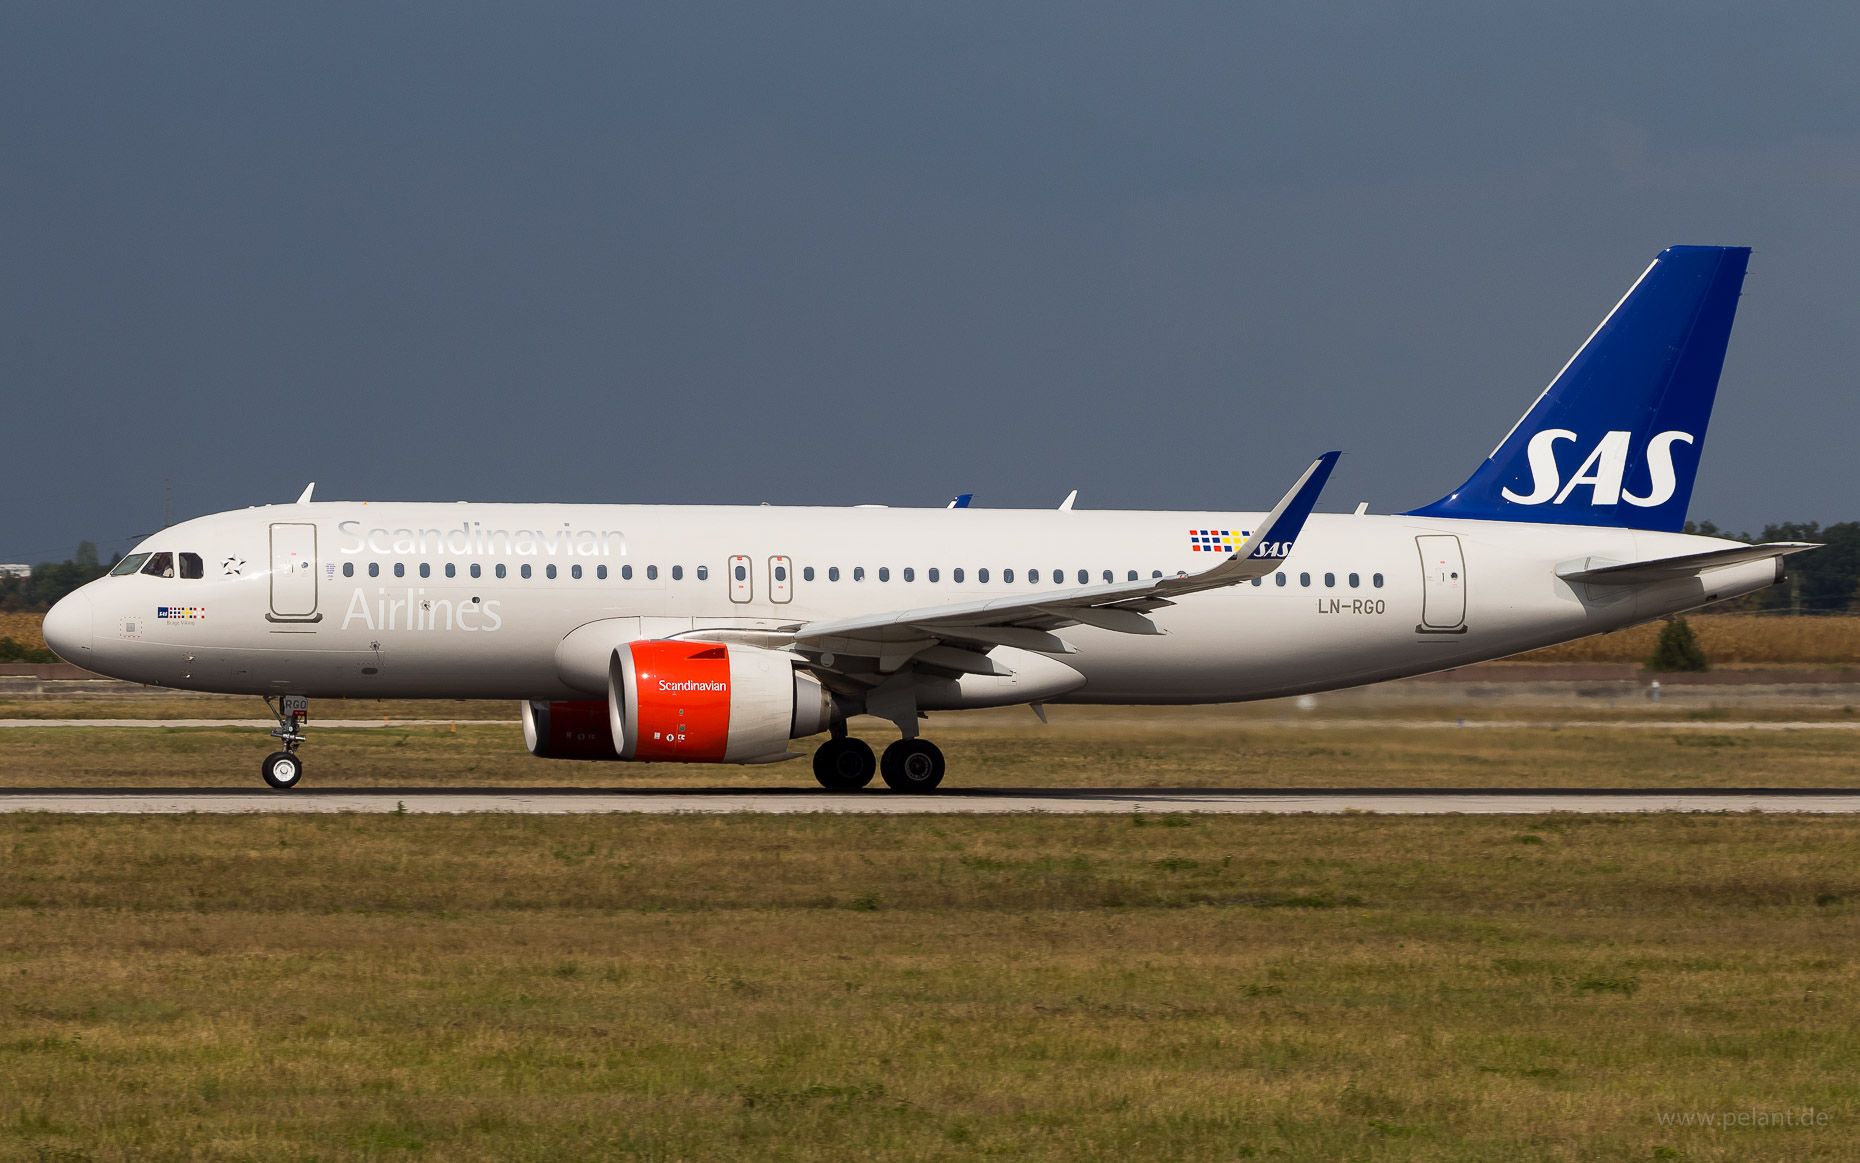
1615, 439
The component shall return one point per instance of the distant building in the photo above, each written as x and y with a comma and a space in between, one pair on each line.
15, 571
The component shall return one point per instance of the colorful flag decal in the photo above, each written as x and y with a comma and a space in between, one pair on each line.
1217, 540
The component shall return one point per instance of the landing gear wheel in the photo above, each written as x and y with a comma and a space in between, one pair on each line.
912, 765
283, 770
844, 764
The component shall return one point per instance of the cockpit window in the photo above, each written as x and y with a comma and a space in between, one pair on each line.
129, 564
191, 565
160, 565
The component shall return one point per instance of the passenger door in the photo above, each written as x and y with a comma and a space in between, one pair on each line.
293, 573
1443, 585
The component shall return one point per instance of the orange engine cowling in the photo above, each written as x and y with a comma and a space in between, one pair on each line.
571, 730
701, 702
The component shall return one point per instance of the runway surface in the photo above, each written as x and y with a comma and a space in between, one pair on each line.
1300, 724
1067, 801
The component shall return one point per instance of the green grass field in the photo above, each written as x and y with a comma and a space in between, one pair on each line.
822, 988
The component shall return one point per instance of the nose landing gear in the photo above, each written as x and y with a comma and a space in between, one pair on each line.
283, 770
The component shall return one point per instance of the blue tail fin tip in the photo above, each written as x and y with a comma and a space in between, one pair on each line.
1616, 437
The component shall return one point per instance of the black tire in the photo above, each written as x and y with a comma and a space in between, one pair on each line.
283, 770
844, 764
912, 765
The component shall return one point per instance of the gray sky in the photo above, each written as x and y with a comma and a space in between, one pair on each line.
1164, 254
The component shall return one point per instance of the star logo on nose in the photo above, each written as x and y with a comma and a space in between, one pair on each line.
232, 566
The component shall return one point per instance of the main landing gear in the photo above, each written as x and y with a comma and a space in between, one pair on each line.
283, 770
909, 765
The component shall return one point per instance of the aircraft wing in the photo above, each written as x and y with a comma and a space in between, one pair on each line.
1659, 569
959, 636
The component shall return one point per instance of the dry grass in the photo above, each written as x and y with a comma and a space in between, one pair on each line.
817, 988
23, 629
1728, 639
1082, 747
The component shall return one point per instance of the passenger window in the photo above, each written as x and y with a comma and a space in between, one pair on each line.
833, 573
574, 571
781, 573
400, 569
858, 573
955, 575
703, 572
884, 573
678, 573
1257, 581
1304, 579
600, 573
160, 565
451, 570
1033, 575
1133, 576
1278, 579
807, 573
1356, 579
524, 569
910, 574
933, 573
374, 569
742, 573
981, 575
500, 569
1330, 580
1377, 581
1007, 575
477, 570
626, 572
191, 566
549, 572
426, 570
1107, 577
1156, 573
348, 569
1084, 576
652, 573
129, 564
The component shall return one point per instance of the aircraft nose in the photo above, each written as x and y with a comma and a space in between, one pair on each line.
67, 628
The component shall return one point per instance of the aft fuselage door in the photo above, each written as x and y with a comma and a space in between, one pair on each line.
781, 579
742, 586
1443, 585
293, 572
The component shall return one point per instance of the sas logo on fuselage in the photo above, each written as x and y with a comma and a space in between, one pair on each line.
1602, 470
182, 613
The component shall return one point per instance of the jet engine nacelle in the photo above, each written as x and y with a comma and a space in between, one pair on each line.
701, 702
568, 730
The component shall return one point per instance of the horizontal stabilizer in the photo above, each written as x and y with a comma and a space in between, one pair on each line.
1659, 569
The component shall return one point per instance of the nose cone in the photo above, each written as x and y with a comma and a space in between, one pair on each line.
67, 628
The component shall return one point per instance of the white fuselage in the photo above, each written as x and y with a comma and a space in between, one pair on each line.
381, 600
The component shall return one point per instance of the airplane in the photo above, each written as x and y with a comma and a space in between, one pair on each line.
714, 634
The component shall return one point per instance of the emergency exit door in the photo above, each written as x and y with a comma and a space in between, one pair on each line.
293, 572
781, 579
1443, 585
742, 585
